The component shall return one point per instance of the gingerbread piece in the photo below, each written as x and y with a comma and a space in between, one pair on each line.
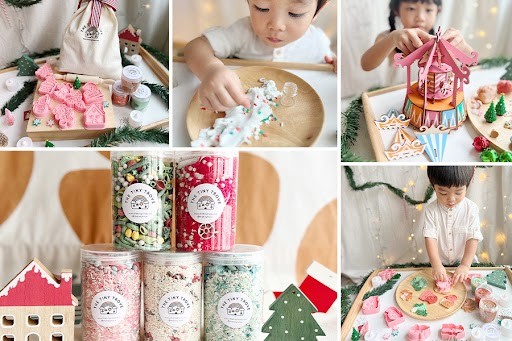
448, 301
428, 296
406, 295
486, 93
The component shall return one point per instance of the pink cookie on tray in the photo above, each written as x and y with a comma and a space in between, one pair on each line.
64, 116
418, 332
393, 317
61, 91
74, 100
44, 71
387, 274
428, 296
92, 94
452, 331
41, 107
94, 117
444, 287
47, 86
371, 305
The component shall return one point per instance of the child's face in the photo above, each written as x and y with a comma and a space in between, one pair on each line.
450, 196
418, 14
280, 22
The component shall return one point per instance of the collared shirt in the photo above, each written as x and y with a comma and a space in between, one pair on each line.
240, 41
452, 227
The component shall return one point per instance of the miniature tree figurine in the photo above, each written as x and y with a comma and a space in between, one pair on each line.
501, 108
292, 319
490, 114
77, 84
48, 144
356, 336
27, 66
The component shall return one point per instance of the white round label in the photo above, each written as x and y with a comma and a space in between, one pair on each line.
205, 203
175, 308
140, 203
108, 308
235, 309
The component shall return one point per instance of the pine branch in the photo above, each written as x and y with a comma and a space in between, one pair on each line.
159, 55
397, 191
489, 63
20, 96
22, 3
380, 290
350, 156
350, 121
124, 60
127, 134
160, 90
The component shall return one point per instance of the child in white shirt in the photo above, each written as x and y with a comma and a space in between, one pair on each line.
277, 30
452, 225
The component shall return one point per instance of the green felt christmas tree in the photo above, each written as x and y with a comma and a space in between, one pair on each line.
501, 108
490, 114
498, 278
48, 144
292, 319
355, 335
77, 84
27, 66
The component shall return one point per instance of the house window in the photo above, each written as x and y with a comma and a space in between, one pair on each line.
57, 320
57, 337
8, 338
33, 337
7, 321
33, 320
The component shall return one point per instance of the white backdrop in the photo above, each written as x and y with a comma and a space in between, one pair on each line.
376, 224
41, 27
485, 24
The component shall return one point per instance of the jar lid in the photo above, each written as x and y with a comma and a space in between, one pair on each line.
173, 257
132, 73
185, 158
142, 93
116, 155
107, 252
118, 89
240, 254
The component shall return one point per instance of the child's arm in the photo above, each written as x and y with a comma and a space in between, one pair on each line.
461, 273
455, 38
220, 87
406, 40
438, 270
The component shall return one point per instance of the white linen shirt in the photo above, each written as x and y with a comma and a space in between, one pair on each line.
240, 41
452, 227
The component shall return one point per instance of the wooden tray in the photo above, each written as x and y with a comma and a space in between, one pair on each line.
435, 311
77, 132
302, 123
502, 142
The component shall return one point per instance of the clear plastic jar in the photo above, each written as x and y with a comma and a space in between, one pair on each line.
142, 189
119, 95
140, 98
172, 296
131, 78
111, 293
206, 190
488, 308
233, 293
482, 291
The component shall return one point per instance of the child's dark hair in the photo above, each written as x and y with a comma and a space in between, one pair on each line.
450, 176
320, 5
395, 4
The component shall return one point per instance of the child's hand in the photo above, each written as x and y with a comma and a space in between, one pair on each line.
409, 39
221, 90
439, 273
332, 60
460, 274
455, 38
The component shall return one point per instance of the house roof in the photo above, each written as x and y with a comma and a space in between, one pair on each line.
131, 34
35, 285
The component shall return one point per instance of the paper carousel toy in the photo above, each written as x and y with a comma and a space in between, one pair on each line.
437, 98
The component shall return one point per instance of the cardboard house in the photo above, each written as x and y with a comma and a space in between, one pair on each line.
37, 305
130, 40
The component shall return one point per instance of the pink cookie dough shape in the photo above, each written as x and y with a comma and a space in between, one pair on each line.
444, 286
504, 87
94, 117
387, 274
371, 305
452, 332
64, 116
47, 86
44, 71
41, 107
92, 94
393, 317
428, 296
418, 332
61, 91
74, 100
363, 329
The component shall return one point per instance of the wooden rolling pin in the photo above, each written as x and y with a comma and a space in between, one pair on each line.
70, 77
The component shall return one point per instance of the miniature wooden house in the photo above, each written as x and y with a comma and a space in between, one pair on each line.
437, 98
130, 40
37, 305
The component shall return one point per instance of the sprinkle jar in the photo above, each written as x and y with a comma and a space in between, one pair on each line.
233, 294
131, 78
290, 90
483, 291
488, 309
140, 98
142, 190
172, 296
111, 288
119, 95
206, 190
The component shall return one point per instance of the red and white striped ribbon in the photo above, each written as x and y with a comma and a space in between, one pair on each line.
96, 10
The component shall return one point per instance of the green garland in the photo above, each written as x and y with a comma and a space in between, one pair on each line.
20, 97
160, 90
397, 191
159, 55
127, 134
489, 63
22, 3
508, 72
382, 289
353, 290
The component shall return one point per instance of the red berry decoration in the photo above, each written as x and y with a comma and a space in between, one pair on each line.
480, 143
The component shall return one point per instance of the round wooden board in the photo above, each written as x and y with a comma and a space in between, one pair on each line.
502, 142
302, 122
434, 311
